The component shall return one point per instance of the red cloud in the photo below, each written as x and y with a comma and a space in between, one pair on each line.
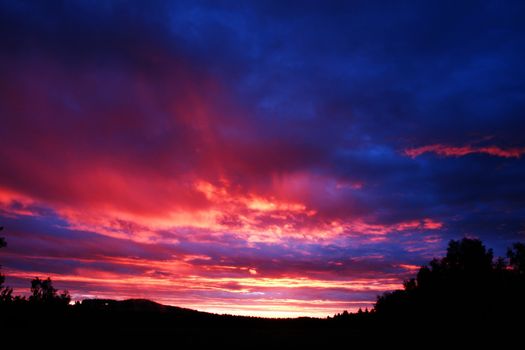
452, 151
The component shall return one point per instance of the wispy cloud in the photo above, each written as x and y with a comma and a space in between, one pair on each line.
453, 151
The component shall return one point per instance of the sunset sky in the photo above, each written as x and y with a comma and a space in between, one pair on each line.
270, 158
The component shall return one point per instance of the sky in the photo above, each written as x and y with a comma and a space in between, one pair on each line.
268, 158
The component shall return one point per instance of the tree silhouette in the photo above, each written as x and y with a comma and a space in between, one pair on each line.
2, 239
516, 256
466, 287
5, 292
43, 292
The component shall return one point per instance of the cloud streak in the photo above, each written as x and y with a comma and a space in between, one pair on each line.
452, 151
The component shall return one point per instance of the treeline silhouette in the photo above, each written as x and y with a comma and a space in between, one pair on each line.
468, 289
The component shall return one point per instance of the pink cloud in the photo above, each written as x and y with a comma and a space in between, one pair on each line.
453, 151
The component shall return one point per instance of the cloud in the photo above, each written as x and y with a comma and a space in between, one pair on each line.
452, 151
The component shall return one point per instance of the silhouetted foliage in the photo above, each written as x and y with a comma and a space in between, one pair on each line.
2, 239
5, 292
43, 292
466, 287
516, 256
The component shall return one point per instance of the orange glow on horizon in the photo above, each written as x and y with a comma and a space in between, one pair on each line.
258, 305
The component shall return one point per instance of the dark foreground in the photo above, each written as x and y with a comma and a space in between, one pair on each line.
134, 322
141, 319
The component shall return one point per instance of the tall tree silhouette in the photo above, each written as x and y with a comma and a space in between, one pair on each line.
516, 256
5, 292
2, 239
